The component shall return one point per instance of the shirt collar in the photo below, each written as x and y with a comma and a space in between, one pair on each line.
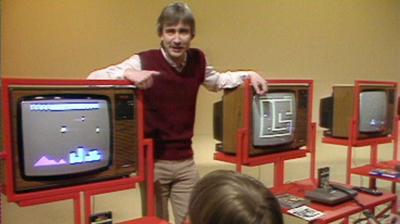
178, 67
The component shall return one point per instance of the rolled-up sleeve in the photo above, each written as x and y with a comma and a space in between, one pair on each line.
215, 81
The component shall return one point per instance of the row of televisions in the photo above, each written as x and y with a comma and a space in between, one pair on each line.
279, 120
64, 136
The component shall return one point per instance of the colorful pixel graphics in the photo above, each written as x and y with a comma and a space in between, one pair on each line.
79, 156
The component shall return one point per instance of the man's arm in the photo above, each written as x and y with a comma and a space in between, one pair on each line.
215, 81
130, 69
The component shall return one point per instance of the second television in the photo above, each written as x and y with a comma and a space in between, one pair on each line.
376, 110
278, 121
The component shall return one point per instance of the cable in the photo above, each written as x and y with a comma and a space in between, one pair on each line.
368, 214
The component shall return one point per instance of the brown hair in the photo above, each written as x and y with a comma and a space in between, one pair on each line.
228, 197
173, 14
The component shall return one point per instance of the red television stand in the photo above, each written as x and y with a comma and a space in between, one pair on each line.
354, 141
242, 157
145, 171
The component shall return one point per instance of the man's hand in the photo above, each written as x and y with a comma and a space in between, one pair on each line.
142, 79
258, 82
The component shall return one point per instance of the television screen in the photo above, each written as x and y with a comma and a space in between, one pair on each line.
274, 118
64, 134
373, 111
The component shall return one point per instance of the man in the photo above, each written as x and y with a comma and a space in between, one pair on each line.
171, 77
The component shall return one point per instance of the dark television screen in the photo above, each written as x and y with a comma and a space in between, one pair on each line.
64, 134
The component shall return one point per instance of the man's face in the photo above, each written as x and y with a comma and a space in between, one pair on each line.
175, 40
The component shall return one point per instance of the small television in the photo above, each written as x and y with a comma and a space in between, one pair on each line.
376, 111
63, 136
279, 120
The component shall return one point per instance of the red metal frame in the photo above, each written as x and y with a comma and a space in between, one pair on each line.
146, 220
353, 140
148, 144
242, 157
2, 156
364, 170
73, 192
396, 139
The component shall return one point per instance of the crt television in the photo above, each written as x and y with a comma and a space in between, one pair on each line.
279, 120
376, 111
64, 136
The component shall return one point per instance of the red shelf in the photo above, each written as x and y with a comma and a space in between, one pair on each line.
333, 213
145, 220
354, 141
357, 143
364, 170
262, 159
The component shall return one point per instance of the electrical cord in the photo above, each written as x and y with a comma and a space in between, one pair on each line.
366, 212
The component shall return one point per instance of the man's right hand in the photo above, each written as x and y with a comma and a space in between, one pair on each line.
142, 79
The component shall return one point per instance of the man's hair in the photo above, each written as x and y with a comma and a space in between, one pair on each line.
227, 197
173, 14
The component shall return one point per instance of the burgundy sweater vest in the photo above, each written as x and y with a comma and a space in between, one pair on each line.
170, 104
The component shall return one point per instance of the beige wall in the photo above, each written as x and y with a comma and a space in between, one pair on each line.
335, 41
329, 41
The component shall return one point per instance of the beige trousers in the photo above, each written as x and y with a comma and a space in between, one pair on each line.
174, 180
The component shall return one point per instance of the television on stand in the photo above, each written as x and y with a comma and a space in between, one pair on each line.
70, 135
279, 120
376, 111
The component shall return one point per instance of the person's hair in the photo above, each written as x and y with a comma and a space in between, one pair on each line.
227, 197
173, 14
